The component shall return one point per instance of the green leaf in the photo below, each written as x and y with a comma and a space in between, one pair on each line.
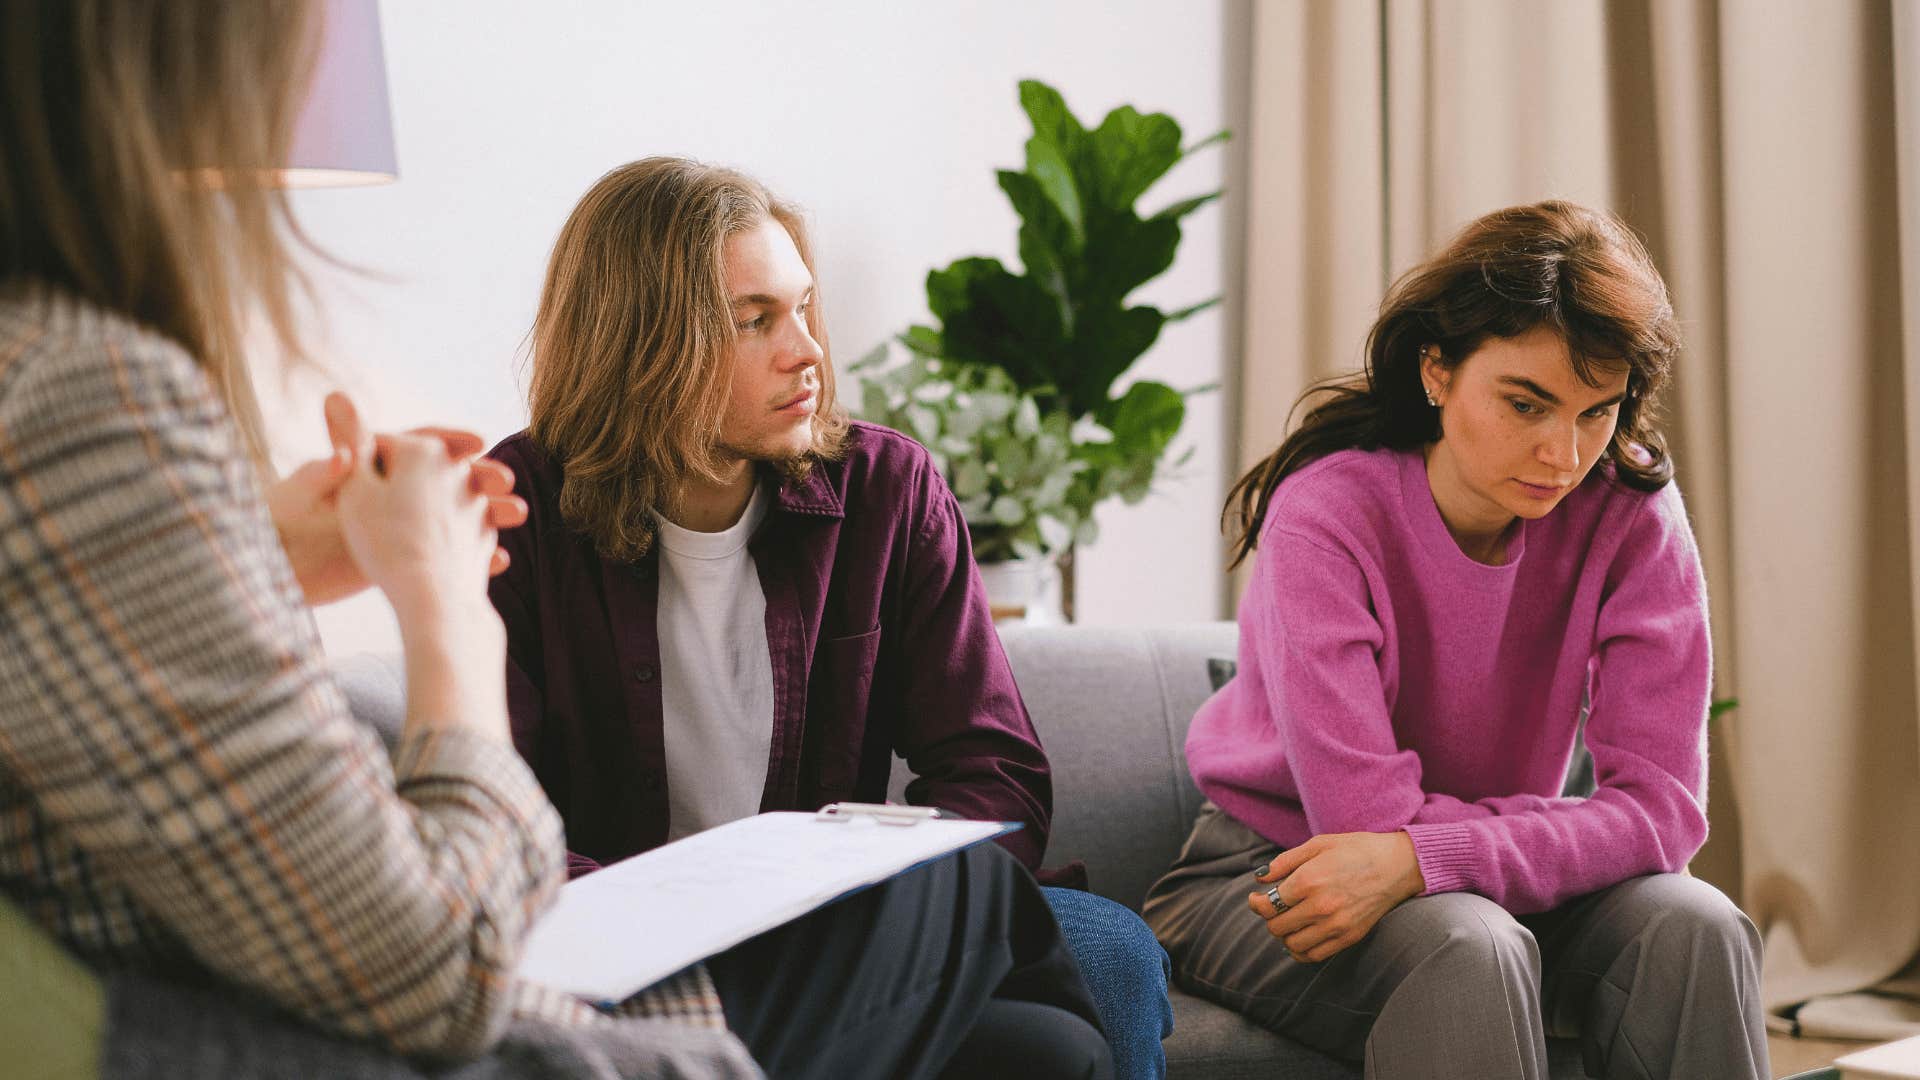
1190, 311
1053, 490
950, 291
1184, 207
930, 391
1026, 418
1007, 510
873, 401
1223, 135
1144, 421
1047, 165
1054, 533
1047, 240
1012, 456
1104, 350
1148, 414
922, 423
924, 340
1123, 253
996, 408
993, 317
872, 358
1052, 121
969, 478
1128, 152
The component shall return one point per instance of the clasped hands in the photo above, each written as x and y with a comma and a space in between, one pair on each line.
1334, 888
336, 515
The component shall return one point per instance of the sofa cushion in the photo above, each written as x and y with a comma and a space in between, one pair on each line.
1216, 1043
1111, 706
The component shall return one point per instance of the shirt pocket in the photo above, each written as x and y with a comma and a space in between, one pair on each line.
842, 692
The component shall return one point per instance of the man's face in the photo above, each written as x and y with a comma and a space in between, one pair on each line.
776, 362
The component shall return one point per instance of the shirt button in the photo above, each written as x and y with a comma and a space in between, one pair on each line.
644, 673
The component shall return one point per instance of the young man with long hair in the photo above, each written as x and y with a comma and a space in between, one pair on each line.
731, 599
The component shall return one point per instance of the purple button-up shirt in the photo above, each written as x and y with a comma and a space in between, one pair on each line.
877, 626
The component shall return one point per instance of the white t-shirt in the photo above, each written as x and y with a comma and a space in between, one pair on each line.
716, 676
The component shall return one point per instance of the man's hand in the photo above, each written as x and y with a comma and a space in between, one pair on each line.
1334, 887
305, 503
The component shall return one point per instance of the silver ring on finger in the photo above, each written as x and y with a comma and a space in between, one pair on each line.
1273, 897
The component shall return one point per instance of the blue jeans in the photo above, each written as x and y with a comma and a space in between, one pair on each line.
1126, 971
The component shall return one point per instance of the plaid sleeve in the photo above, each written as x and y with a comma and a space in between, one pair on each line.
164, 700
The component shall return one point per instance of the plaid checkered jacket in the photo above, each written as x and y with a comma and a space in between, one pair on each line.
182, 788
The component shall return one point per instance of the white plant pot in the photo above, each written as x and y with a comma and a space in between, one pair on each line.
1023, 590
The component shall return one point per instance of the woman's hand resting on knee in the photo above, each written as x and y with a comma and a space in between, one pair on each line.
1334, 887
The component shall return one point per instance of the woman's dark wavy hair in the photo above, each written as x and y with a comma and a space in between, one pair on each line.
1556, 264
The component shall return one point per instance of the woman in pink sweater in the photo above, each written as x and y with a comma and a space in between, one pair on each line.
1456, 551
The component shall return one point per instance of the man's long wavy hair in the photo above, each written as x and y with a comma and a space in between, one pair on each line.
633, 345
139, 145
1555, 264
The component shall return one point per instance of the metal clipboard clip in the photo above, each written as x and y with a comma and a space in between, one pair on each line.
881, 813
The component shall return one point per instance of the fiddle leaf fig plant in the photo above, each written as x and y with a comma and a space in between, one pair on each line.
1013, 388
1063, 328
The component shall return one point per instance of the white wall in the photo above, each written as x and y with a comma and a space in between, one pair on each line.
884, 118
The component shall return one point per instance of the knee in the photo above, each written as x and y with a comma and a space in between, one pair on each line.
1123, 964
989, 870
1688, 915
1463, 936
1074, 1049
1109, 941
1023, 1038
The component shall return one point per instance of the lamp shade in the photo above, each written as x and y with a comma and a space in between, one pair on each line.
343, 134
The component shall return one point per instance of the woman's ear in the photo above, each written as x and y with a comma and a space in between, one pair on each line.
1434, 375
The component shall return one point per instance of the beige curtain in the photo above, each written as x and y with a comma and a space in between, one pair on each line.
1770, 154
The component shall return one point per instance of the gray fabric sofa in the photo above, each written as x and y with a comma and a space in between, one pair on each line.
1112, 706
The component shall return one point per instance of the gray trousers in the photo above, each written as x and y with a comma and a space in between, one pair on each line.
1658, 976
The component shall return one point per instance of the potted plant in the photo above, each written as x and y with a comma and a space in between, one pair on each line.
1014, 385
1010, 464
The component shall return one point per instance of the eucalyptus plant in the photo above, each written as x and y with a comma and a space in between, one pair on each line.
1011, 466
1032, 357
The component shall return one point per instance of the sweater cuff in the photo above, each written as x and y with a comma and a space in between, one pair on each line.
1447, 854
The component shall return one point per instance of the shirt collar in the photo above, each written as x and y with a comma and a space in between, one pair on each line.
812, 495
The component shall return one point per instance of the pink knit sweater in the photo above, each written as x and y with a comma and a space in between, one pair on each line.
1389, 682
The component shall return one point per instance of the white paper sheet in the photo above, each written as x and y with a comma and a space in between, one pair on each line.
631, 924
1894, 1061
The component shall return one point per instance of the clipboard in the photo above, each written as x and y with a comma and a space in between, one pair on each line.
627, 926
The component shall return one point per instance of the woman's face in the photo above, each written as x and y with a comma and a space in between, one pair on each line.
1518, 428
